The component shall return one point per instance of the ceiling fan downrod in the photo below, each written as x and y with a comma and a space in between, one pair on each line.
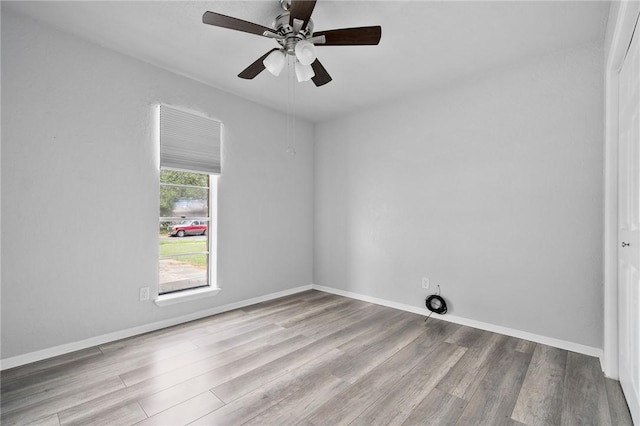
286, 4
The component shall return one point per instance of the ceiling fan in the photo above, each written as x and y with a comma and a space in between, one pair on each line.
293, 30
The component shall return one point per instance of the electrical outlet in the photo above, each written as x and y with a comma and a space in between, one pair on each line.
425, 282
144, 293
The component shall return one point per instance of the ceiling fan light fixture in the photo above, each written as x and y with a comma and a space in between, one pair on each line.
304, 72
293, 31
305, 52
274, 62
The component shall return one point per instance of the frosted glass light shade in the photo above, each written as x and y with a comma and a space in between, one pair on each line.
305, 52
274, 62
304, 72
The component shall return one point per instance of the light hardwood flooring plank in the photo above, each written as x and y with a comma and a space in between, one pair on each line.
270, 394
18, 376
151, 342
126, 414
273, 315
540, 399
217, 352
620, 415
328, 316
358, 365
408, 392
467, 336
300, 404
346, 406
317, 329
175, 396
235, 361
269, 314
202, 376
235, 388
259, 317
316, 313
272, 311
94, 368
362, 330
279, 314
185, 412
54, 384
377, 329
305, 297
380, 348
585, 396
241, 385
208, 377
437, 409
173, 373
265, 315
525, 346
493, 401
107, 402
251, 329
185, 389
61, 401
50, 420
290, 301
464, 378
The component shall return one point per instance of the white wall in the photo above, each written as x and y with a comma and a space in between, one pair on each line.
492, 189
80, 191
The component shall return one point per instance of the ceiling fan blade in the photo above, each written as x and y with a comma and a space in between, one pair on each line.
224, 21
322, 77
351, 36
301, 10
255, 68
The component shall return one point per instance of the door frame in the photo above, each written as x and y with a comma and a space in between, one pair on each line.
624, 25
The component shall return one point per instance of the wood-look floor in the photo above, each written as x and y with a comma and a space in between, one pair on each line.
315, 359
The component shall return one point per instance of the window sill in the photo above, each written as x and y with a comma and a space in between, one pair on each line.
186, 296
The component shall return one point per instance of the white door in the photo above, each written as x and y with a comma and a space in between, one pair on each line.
629, 228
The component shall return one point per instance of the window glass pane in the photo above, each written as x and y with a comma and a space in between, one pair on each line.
184, 243
174, 246
184, 178
184, 228
179, 201
183, 272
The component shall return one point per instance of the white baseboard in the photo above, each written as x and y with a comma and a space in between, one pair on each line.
30, 357
550, 341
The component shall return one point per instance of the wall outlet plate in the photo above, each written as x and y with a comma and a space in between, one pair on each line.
425, 282
144, 293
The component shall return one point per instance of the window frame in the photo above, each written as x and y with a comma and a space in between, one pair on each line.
211, 288
175, 220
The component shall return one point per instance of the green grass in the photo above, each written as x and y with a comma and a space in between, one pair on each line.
178, 246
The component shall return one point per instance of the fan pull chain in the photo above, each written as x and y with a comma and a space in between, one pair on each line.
291, 119
293, 139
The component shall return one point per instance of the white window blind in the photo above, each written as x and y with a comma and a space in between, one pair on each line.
189, 141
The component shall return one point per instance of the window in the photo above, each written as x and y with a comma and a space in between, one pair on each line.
189, 166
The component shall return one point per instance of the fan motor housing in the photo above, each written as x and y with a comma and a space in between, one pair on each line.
281, 26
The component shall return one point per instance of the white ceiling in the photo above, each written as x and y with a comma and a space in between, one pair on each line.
424, 44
